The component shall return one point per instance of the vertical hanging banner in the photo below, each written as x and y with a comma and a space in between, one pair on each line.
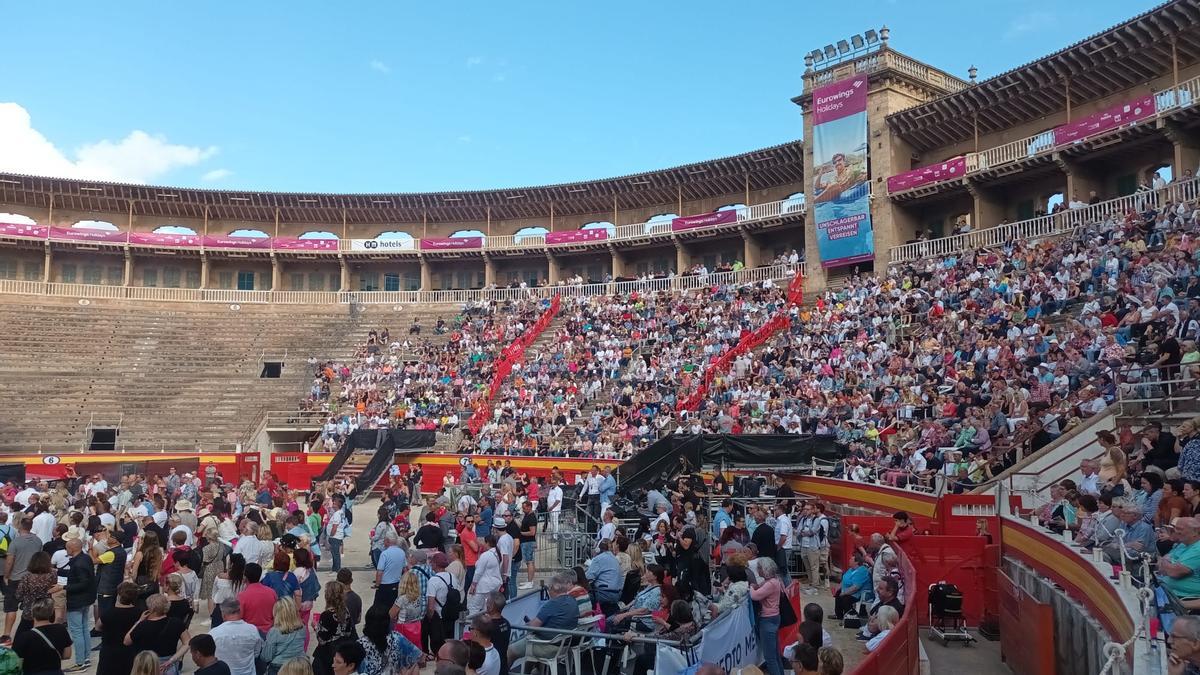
841, 182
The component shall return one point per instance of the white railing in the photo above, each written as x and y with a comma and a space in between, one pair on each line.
1042, 226
533, 242
752, 275
1165, 101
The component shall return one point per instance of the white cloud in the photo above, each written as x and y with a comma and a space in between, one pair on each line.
215, 175
137, 158
464, 139
499, 77
1029, 22
473, 61
380, 67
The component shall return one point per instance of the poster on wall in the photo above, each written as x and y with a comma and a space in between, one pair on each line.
841, 181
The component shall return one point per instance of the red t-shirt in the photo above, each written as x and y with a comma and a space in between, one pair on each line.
258, 603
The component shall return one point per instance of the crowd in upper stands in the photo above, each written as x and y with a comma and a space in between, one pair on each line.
933, 375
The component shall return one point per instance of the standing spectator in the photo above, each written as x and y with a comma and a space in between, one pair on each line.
43, 648
353, 601
554, 502
204, 655
333, 628
785, 535
16, 566
390, 565
385, 651
226, 586
109, 558
529, 526
487, 577
81, 595
440, 610
767, 592
483, 631
285, 640
336, 531
158, 633
256, 602
238, 643
43, 522
115, 622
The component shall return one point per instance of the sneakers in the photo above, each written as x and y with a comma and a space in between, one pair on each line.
78, 667
525, 585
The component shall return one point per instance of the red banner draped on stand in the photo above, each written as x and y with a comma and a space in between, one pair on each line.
780, 322
504, 365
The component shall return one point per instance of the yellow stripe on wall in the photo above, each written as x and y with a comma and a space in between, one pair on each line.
1053, 561
874, 495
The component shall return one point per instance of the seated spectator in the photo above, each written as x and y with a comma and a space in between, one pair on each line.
560, 611
855, 587
885, 596
1179, 570
884, 620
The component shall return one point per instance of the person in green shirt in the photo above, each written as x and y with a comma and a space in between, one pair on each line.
1179, 570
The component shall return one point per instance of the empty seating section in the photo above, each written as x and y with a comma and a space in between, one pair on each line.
174, 376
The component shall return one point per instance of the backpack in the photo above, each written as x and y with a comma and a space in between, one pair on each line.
10, 663
5, 540
453, 605
310, 588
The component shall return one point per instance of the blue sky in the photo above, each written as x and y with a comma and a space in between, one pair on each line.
359, 97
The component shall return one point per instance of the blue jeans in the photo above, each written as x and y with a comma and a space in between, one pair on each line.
81, 633
768, 641
512, 579
335, 550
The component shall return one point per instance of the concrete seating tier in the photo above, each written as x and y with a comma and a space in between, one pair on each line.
176, 377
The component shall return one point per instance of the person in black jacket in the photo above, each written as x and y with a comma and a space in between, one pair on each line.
81, 595
109, 557
763, 536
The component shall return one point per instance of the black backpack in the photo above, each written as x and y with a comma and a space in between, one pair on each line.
453, 605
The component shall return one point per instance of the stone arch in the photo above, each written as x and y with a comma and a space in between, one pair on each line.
175, 229
530, 233
318, 234
248, 233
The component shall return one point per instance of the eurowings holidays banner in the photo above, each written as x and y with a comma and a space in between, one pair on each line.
841, 182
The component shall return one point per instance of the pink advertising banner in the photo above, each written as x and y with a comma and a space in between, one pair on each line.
451, 243
159, 239
704, 220
86, 234
30, 231
1105, 120
576, 236
237, 242
294, 244
934, 173
840, 99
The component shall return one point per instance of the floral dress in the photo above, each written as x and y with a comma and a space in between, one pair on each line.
402, 657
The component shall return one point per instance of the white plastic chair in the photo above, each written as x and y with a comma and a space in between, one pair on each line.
561, 645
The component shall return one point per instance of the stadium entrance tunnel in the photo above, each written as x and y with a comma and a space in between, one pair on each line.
103, 439
271, 370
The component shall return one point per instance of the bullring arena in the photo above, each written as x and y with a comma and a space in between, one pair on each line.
913, 394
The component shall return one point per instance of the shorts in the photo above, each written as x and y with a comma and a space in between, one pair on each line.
527, 550
10, 596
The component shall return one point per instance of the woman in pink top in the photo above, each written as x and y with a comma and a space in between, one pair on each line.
766, 593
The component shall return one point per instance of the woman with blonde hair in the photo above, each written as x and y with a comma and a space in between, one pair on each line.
145, 663
285, 641
409, 607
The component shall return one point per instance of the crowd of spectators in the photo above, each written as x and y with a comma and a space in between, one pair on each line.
121, 568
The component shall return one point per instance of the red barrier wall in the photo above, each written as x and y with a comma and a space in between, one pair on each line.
899, 652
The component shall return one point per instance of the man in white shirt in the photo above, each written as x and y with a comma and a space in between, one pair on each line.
505, 546
608, 531
483, 632
43, 524
137, 508
554, 499
336, 531
785, 534
1090, 483
238, 643
177, 526
23, 496
591, 487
